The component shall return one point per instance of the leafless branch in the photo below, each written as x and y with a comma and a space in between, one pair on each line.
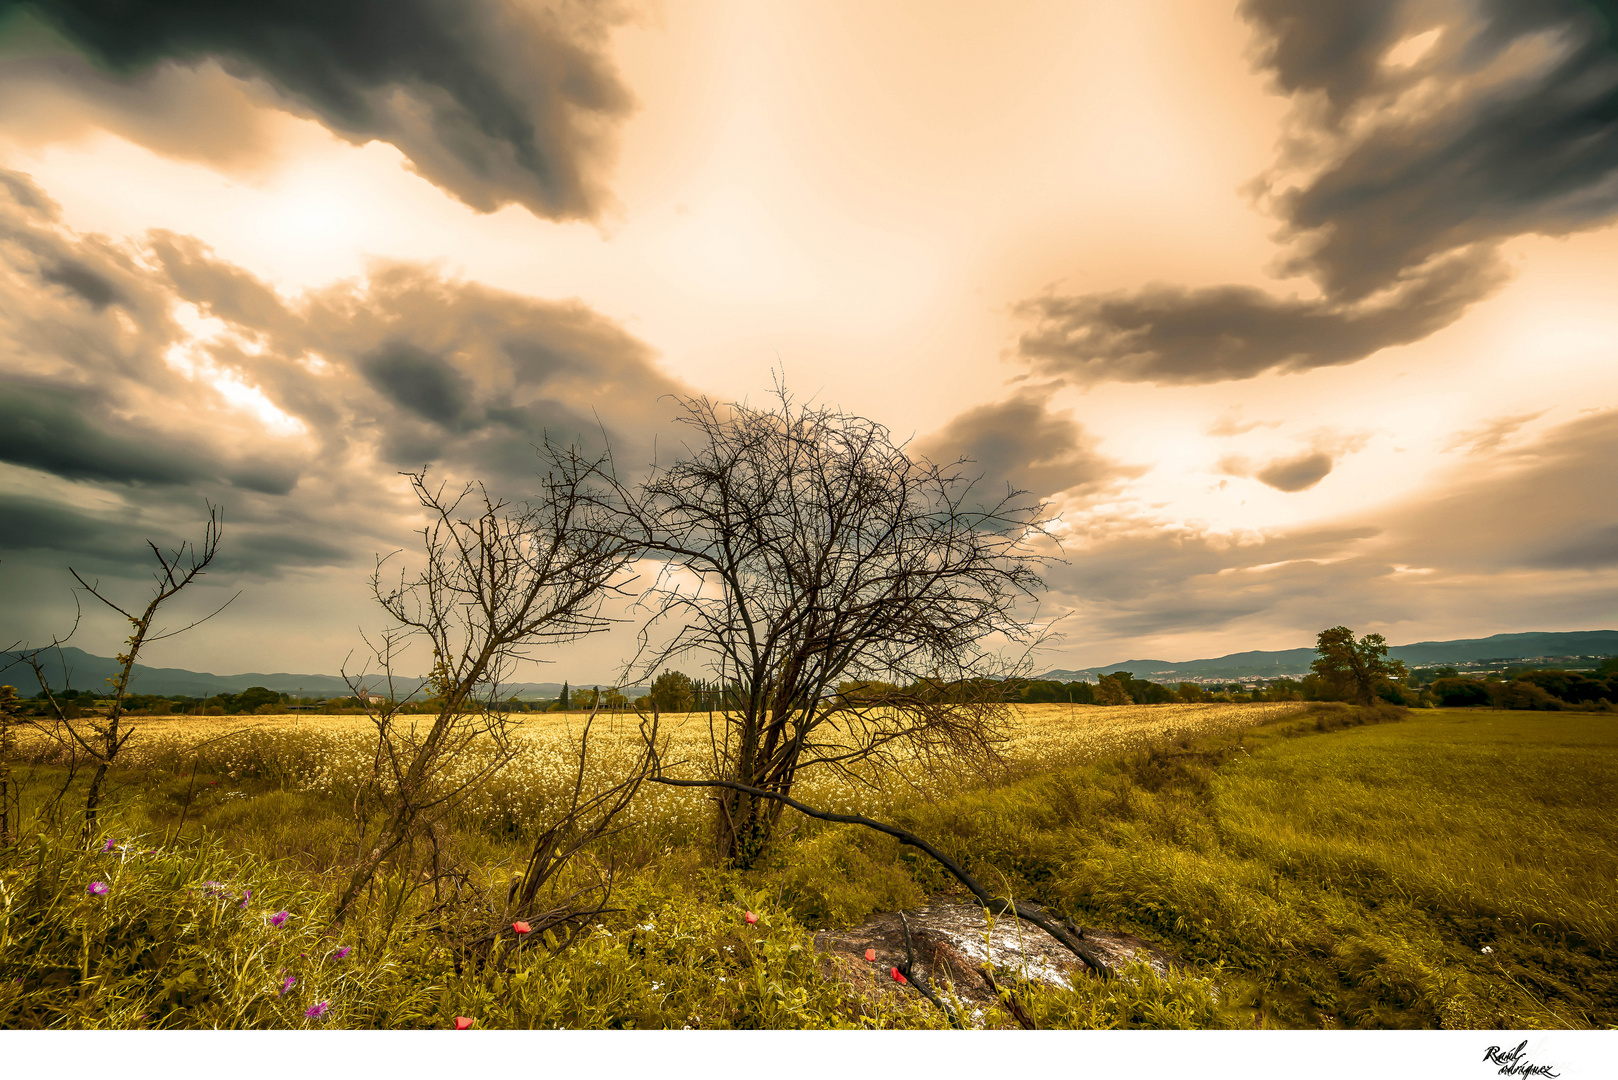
804, 553
496, 581
103, 740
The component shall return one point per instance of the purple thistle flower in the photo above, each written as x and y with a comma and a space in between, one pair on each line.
342, 954
109, 845
287, 984
279, 917
317, 1010
97, 888
247, 894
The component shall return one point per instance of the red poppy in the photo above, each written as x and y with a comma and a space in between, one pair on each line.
463, 1022
751, 918
870, 956
899, 976
521, 927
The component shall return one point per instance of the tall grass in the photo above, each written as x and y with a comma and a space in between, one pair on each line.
1450, 869
1329, 868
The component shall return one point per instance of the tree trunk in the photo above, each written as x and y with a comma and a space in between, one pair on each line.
397, 832
92, 800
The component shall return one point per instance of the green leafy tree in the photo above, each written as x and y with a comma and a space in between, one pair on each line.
255, 697
1110, 691
1454, 692
672, 692
1355, 671
1572, 687
1522, 694
563, 701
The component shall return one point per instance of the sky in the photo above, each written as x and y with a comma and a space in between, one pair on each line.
1296, 315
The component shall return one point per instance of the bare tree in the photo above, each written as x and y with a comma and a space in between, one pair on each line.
849, 595
496, 582
103, 738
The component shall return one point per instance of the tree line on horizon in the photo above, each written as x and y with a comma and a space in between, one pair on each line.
1525, 687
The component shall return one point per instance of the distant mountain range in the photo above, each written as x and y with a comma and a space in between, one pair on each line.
1421, 654
85, 671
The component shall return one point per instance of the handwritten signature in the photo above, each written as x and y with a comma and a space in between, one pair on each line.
1514, 1062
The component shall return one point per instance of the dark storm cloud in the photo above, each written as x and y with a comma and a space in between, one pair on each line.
1299, 472
85, 391
1021, 443
494, 101
28, 524
1507, 126
1165, 334
474, 377
1296, 474
1333, 48
422, 383
94, 289
1531, 146
260, 550
291, 413
65, 431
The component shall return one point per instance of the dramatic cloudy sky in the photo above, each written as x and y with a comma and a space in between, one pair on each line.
1298, 314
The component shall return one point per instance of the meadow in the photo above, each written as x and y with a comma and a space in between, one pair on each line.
1314, 866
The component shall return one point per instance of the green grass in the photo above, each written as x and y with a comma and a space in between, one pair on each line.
1341, 869
1343, 879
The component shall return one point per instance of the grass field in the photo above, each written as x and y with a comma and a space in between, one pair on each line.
330, 754
1316, 868
1456, 868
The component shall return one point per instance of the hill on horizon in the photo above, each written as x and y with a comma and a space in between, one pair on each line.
1284, 662
85, 671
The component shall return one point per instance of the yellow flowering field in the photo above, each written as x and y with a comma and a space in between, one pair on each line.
334, 754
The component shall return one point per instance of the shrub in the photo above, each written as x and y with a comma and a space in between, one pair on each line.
1518, 694
1454, 692
1570, 686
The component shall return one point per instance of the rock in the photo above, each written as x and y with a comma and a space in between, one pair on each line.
951, 944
